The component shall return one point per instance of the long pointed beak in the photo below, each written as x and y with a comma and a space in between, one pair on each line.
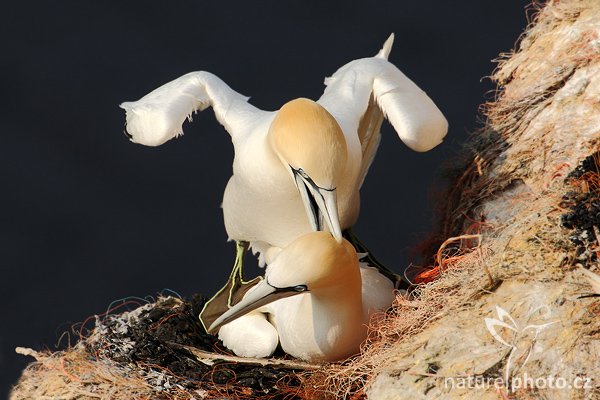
262, 294
309, 202
320, 204
327, 203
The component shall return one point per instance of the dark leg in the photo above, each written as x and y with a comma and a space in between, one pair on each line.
232, 292
398, 280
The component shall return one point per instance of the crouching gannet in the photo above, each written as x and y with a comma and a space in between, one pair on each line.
306, 159
310, 302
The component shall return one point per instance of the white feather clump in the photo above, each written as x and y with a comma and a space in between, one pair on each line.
418, 121
415, 117
158, 116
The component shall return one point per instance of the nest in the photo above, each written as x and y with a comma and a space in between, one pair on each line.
157, 350
519, 223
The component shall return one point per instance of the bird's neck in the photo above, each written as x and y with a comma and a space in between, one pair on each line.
340, 336
345, 298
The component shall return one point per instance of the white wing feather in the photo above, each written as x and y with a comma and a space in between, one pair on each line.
414, 116
158, 116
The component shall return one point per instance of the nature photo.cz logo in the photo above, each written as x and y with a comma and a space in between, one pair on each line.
522, 342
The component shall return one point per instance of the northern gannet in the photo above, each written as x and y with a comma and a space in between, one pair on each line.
306, 158
326, 319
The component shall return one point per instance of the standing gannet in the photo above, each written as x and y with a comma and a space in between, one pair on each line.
306, 158
326, 319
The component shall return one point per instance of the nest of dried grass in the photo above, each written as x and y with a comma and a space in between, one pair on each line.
155, 350
503, 240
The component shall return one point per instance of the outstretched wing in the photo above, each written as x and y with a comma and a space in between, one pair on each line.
361, 93
159, 115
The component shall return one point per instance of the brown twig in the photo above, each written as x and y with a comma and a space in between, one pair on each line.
452, 240
209, 358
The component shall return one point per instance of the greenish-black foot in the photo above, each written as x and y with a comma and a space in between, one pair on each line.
233, 290
399, 281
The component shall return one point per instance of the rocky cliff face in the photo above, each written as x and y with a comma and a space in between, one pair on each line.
513, 303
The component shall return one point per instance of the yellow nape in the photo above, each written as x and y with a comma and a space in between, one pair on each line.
319, 261
306, 136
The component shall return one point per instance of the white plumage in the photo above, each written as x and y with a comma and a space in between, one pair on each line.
308, 159
266, 202
325, 320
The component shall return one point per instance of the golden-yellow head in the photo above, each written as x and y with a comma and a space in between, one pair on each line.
306, 137
318, 261
315, 263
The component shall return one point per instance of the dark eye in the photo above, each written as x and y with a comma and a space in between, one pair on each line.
301, 172
300, 288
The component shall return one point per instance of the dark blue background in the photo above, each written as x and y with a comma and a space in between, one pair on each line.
88, 217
